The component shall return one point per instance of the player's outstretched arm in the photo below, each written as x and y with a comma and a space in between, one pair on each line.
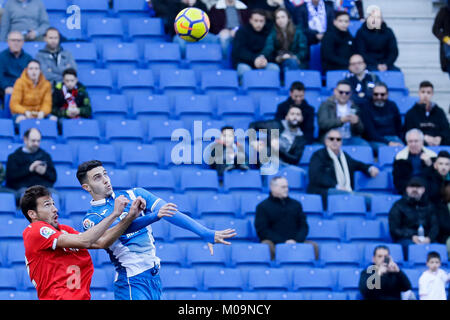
220, 236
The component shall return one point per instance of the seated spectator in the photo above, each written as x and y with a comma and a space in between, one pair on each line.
428, 117
437, 175
53, 58
412, 160
70, 98
29, 165
354, 8
433, 281
29, 17
376, 42
297, 98
383, 280
412, 212
286, 44
441, 30
227, 154
331, 170
12, 62
361, 80
337, 44
280, 219
382, 120
32, 95
248, 44
339, 112
443, 217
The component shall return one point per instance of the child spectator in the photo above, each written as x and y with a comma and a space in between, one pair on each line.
432, 282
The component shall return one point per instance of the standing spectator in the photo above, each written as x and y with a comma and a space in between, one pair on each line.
382, 120
339, 112
443, 216
411, 215
433, 281
29, 17
441, 30
297, 98
362, 80
280, 219
388, 282
32, 94
30, 165
53, 58
248, 44
286, 44
428, 117
412, 160
337, 44
12, 62
376, 42
437, 176
70, 98
331, 170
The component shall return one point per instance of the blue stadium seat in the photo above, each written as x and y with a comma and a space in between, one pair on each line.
136, 83
178, 82
160, 132
16, 254
198, 255
340, 255
348, 279
178, 279
386, 155
24, 281
60, 23
417, 253
363, 231
138, 158
216, 205
299, 254
220, 82
395, 251
104, 30
223, 279
203, 57
200, 295
241, 181
192, 108
259, 83
7, 131
250, 255
130, 9
413, 276
324, 231
268, 106
248, 204
67, 180
354, 26
61, 154
12, 228
235, 109
92, 9
120, 57
210, 130
97, 81
32, 48
199, 180
294, 177
319, 280
154, 107
55, 8
122, 133
379, 184
404, 103
15, 295
146, 30
109, 107
307, 154
245, 295
346, 206
333, 77
240, 225
48, 128
184, 203
310, 78
84, 53
395, 82
121, 179
103, 152
7, 205
269, 279
284, 296
81, 131
160, 232
7, 149
360, 153
102, 295
327, 296
315, 61
100, 280
311, 203
162, 56
77, 204
8, 279
161, 182
171, 254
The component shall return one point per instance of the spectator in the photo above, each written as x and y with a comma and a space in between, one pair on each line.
249, 43
410, 214
441, 30
433, 281
297, 98
376, 42
32, 94
226, 154
382, 120
361, 80
12, 62
53, 58
2, 180
354, 8
268, 6
412, 160
428, 117
286, 44
383, 280
337, 44
29, 17
30, 165
280, 219
437, 175
443, 217
331, 170
339, 112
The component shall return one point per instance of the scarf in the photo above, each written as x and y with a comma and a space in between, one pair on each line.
317, 17
341, 170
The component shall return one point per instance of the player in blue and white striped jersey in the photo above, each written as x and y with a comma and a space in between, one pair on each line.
134, 253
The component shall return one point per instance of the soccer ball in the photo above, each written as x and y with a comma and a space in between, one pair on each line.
191, 24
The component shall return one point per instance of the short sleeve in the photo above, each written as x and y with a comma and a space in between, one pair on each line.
42, 236
91, 220
151, 200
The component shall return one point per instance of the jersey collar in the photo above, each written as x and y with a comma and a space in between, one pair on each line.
101, 202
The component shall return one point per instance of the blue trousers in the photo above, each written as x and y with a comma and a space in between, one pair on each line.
144, 286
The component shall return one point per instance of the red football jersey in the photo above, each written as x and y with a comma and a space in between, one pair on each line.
57, 273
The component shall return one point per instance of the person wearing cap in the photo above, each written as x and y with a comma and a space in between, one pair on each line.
410, 213
412, 160
436, 176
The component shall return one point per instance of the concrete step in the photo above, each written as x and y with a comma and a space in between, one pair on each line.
411, 28
422, 54
439, 79
396, 8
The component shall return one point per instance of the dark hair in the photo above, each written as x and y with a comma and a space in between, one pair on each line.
34, 60
381, 84
426, 84
71, 71
261, 12
29, 199
226, 128
433, 254
381, 246
51, 29
337, 14
293, 106
297, 85
290, 31
85, 167
344, 81
27, 133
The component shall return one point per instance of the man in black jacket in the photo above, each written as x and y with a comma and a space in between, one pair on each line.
411, 214
428, 117
383, 280
30, 165
437, 175
337, 44
280, 219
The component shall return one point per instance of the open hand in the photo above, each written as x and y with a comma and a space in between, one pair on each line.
220, 236
167, 210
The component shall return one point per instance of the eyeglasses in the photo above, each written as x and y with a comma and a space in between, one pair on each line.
344, 92
357, 62
377, 94
15, 40
334, 139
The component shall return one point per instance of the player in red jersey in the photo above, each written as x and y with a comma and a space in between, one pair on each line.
58, 262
